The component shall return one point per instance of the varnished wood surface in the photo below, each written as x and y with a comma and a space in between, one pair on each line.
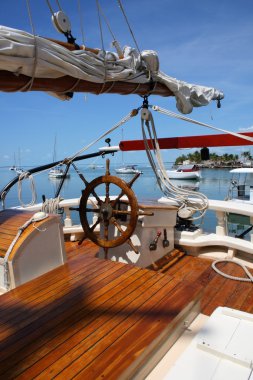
88, 319
92, 318
217, 290
10, 82
10, 223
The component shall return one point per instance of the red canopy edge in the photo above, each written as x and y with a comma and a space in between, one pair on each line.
189, 142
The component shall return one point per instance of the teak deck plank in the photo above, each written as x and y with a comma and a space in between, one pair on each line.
217, 290
93, 318
59, 323
68, 354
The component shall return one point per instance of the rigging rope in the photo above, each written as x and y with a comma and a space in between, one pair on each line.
28, 85
115, 42
190, 202
81, 21
59, 6
131, 114
106, 20
50, 8
100, 26
103, 47
184, 118
128, 24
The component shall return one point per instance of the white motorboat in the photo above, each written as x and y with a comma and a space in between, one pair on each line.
57, 172
129, 169
18, 170
184, 172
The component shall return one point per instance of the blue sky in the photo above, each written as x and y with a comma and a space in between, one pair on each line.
208, 43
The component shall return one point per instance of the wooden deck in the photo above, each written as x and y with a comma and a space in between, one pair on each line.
92, 318
89, 319
217, 290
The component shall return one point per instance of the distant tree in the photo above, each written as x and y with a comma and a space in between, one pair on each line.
214, 157
180, 159
246, 155
196, 157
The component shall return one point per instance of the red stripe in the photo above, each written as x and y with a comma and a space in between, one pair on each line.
189, 142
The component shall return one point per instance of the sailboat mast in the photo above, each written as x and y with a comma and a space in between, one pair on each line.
54, 152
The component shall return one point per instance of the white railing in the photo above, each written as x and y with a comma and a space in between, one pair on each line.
224, 207
220, 207
71, 222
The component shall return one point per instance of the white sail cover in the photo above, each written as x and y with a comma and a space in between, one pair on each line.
23, 53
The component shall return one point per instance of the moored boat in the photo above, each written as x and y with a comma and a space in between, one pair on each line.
129, 169
184, 172
57, 172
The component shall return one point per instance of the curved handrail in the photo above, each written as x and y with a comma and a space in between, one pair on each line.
41, 168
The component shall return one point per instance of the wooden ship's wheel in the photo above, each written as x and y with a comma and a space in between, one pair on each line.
109, 212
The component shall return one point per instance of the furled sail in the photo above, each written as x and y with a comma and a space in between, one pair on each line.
23, 55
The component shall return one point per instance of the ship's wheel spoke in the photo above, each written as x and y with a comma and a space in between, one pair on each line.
97, 197
116, 200
130, 184
92, 228
129, 241
95, 210
121, 212
107, 192
107, 211
106, 231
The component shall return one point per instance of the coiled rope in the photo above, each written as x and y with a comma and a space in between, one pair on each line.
52, 205
189, 201
23, 176
250, 276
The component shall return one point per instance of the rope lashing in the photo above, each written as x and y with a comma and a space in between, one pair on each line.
190, 202
52, 205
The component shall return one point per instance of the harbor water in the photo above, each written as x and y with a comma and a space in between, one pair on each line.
214, 183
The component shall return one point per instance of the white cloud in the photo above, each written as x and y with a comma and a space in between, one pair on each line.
246, 129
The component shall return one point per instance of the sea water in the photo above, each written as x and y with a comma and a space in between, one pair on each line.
214, 183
